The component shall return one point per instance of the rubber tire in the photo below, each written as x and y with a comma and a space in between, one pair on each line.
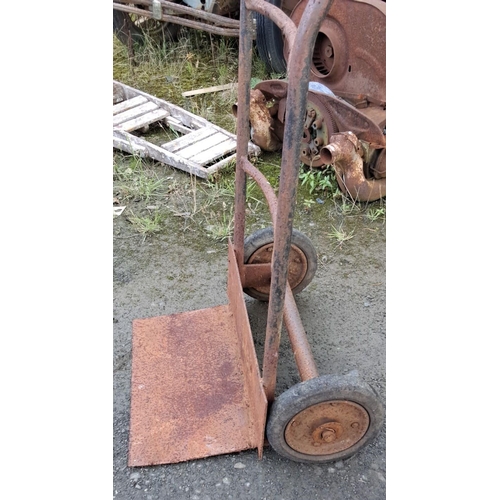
264, 237
122, 24
318, 390
269, 41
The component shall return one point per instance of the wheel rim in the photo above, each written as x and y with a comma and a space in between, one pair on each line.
327, 428
297, 265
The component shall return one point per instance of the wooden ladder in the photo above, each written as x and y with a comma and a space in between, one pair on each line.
202, 149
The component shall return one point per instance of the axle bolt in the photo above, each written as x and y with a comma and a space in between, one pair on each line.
328, 435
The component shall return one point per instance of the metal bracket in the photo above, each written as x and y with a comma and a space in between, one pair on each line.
157, 13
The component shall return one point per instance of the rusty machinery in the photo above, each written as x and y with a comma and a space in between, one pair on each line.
348, 65
197, 389
344, 123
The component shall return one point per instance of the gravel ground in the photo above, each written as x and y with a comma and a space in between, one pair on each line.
343, 312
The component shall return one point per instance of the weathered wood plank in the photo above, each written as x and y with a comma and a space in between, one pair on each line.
204, 144
176, 125
187, 118
220, 164
141, 121
134, 112
135, 145
128, 104
207, 90
190, 139
214, 152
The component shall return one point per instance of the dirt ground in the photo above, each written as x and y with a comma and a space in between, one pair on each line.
343, 312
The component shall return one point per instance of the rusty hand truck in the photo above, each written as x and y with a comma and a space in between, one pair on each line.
196, 388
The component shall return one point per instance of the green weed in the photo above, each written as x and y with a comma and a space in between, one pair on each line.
374, 214
135, 178
340, 234
147, 225
320, 181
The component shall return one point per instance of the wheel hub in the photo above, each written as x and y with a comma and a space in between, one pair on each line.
327, 428
297, 264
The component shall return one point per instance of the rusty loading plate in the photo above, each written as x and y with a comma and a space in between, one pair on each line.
188, 396
327, 428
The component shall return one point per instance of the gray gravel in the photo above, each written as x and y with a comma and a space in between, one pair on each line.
343, 311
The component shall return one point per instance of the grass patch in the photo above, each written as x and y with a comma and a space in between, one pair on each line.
147, 225
340, 235
199, 60
135, 178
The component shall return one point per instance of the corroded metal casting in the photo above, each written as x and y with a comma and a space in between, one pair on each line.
326, 115
345, 152
349, 51
327, 428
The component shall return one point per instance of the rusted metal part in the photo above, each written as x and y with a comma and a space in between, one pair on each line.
297, 267
336, 114
327, 428
349, 51
243, 129
251, 372
298, 340
196, 389
298, 80
344, 153
262, 131
282, 20
211, 23
264, 185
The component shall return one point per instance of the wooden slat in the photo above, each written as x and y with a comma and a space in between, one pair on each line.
203, 145
177, 125
216, 151
134, 112
128, 104
220, 164
141, 121
207, 90
131, 144
188, 139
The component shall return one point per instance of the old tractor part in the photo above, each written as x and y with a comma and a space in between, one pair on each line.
134, 19
345, 152
349, 51
326, 115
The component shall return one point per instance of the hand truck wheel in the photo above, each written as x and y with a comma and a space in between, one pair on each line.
302, 264
324, 419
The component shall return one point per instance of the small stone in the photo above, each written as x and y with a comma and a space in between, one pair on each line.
331, 470
226, 480
239, 465
339, 464
135, 476
138, 486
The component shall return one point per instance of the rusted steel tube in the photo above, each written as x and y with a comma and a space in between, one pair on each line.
231, 32
264, 185
299, 64
297, 335
242, 128
284, 23
343, 153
